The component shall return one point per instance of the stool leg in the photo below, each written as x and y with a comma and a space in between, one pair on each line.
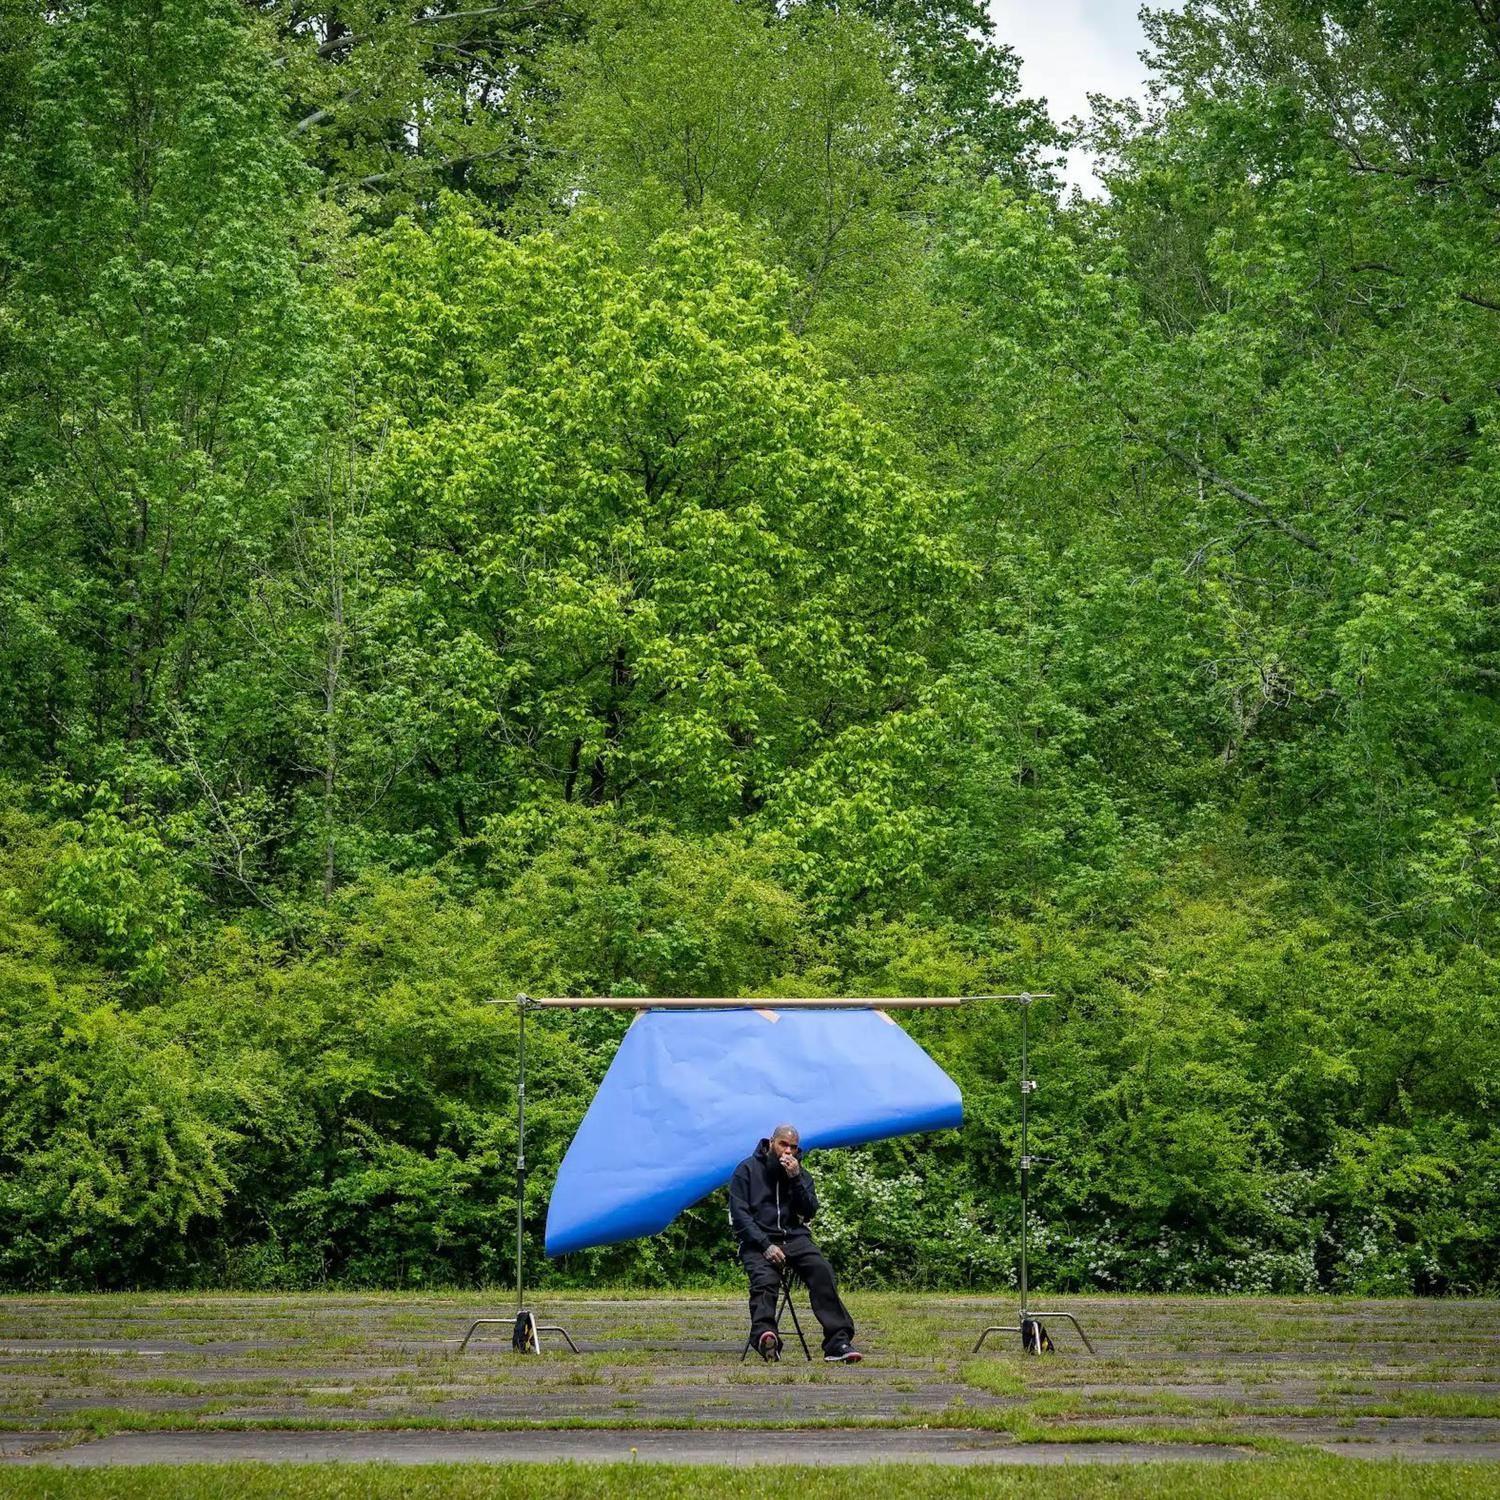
788, 1306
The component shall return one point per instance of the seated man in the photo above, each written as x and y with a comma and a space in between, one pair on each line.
771, 1198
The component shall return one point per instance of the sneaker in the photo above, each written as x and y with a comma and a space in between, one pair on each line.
843, 1354
770, 1346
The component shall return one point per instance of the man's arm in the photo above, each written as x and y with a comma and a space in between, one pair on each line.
804, 1194
739, 1209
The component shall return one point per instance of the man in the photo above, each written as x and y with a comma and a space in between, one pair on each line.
771, 1198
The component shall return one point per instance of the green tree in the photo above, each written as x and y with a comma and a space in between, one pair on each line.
650, 556
393, 104
960, 89
672, 112
161, 381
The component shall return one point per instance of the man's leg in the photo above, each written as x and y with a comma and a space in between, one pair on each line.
822, 1291
765, 1283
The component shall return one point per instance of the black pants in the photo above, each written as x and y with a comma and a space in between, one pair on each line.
803, 1257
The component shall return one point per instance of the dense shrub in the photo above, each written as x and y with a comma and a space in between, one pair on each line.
1218, 1109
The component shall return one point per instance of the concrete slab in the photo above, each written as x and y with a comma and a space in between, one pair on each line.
736, 1448
22, 1444
1434, 1453
353, 1369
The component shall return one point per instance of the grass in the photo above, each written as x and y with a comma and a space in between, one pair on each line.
1254, 1372
1300, 1478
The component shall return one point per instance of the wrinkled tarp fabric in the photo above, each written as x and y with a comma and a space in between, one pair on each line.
690, 1092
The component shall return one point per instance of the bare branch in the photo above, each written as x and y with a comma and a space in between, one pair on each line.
1210, 476
421, 164
1472, 298
317, 117
354, 38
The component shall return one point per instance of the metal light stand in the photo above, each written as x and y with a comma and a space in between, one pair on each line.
1029, 1320
525, 1330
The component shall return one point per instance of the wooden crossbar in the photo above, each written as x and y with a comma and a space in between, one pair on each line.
678, 1002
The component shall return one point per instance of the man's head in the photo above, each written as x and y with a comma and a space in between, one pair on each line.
784, 1141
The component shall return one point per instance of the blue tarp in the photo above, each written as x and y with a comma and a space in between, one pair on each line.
690, 1092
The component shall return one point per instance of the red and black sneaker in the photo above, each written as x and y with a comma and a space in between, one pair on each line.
769, 1345
843, 1354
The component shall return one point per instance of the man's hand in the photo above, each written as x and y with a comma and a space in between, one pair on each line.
790, 1165
776, 1255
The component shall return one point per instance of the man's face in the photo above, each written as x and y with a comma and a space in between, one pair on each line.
784, 1146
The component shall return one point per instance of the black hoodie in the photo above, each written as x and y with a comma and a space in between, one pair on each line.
766, 1205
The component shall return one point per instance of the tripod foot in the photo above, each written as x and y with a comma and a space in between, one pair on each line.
479, 1323
987, 1332
553, 1328
524, 1330
1032, 1317
1071, 1319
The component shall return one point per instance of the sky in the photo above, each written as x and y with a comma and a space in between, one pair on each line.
1070, 49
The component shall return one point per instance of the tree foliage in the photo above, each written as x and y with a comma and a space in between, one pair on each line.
651, 498
648, 553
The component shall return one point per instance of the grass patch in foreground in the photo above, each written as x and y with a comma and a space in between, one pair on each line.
1305, 1478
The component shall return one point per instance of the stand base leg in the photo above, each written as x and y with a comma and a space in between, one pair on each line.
524, 1330
554, 1328
988, 1331
1029, 1316
1071, 1319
